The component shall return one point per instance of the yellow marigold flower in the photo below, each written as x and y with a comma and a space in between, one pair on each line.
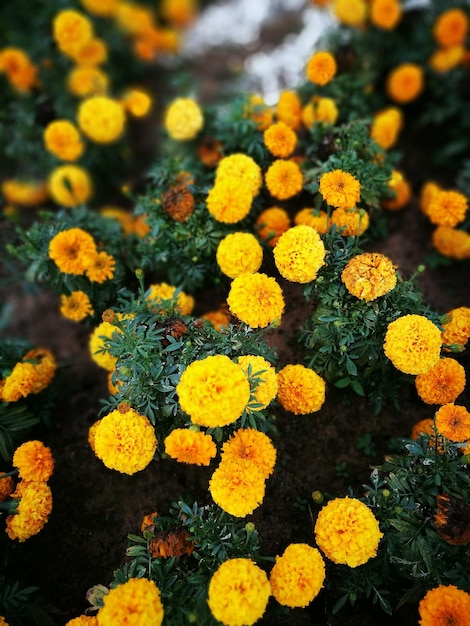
402, 189
93, 53
428, 191
352, 222
183, 119
457, 329
289, 109
238, 253
72, 250
237, 487
160, 293
451, 28
136, 102
125, 442
386, 127
369, 276
311, 217
20, 71
84, 81
266, 389
44, 365
445, 604
229, 201
76, 306
101, 267
179, 12
63, 140
347, 532
445, 59
447, 208
123, 216
297, 575
405, 82
20, 383
213, 391
453, 421
238, 593
34, 461
301, 390
299, 254
219, 318
280, 140
340, 189
258, 111
135, 19
102, 8
7, 486
351, 12
33, 510
442, 384
92, 434
242, 168
250, 446
70, 185
25, 193
322, 110
413, 344
284, 179
83, 620
385, 14
189, 446
71, 31
102, 119
137, 601
98, 353
256, 299
271, 223
451, 242
321, 68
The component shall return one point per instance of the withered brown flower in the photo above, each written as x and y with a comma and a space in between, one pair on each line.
168, 543
178, 203
452, 519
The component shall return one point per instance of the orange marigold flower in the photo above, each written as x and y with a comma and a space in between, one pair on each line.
257, 110
101, 267
237, 487
340, 189
280, 140
25, 193
386, 127
352, 222
301, 390
451, 28
250, 446
181, 13
428, 191
451, 242
256, 299
289, 109
311, 217
189, 446
136, 102
402, 189
457, 329
34, 461
102, 8
284, 179
70, 185
19, 70
298, 575
93, 53
71, 31
321, 68
259, 369
63, 140
369, 276
82, 620
299, 254
423, 427
442, 384
413, 344
271, 223
445, 604
102, 119
239, 253
445, 59
351, 12
405, 82
453, 421
184, 119
72, 250
45, 366
447, 208
33, 510
209, 151
137, 601
229, 201
347, 532
219, 318
123, 216
385, 14
76, 306
84, 81
7, 486
319, 109
162, 296
242, 168
32, 375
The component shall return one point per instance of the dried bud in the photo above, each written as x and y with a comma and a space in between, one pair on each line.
452, 519
108, 316
178, 203
317, 497
209, 151
123, 407
168, 543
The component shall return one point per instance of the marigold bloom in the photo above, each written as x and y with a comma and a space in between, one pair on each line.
214, 391
125, 442
284, 179
347, 532
238, 593
72, 250
352, 222
369, 276
237, 487
76, 306
321, 68
428, 191
183, 119
451, 242
249, 446
25, 193
136, 102
137, 602
457, 329
289, 109
280, 140
271, 223
34, 461
451, 28
258, 111
402, 189
123, 216
19, 70
413, 344
229, 201
82, 620
405, 83
299, 254
351, 12
386, 127
102, 8
33, 510
7, 486
256, 299
423, 427
442, 384
385, 14
311, 217
453, 421
301, 390
340, 189
93, 53
239, 253
445, 604
319, 109
261, 369
188, 446
161, 293
133, 18
84, 81
71, 31
445, 59
219, 318
102, 119
101, 267
447, 208
298, 575
242, 168
32, 375
70, 185
63, 139
98, 353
